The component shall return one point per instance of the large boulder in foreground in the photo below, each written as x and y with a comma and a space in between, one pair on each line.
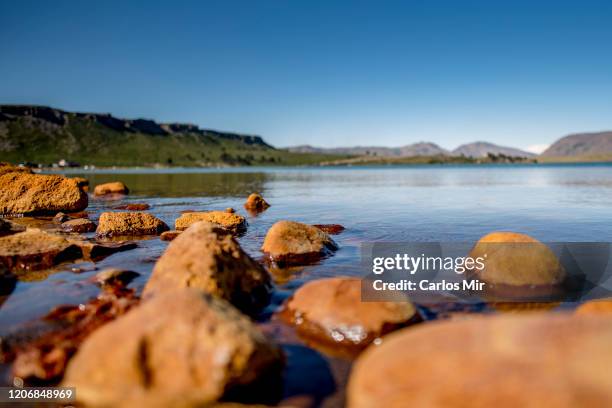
23, 193
290, 242
330, 310
129, 224
207, 258
518, 266
230, 221
543, 360
35, 249
182, 348
115, 187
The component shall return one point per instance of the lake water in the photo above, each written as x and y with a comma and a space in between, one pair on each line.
415, 203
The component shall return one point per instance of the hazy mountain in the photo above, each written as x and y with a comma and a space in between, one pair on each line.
416, 149
482, 149
40, 134
581, 144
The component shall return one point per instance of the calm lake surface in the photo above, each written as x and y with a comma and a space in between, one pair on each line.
417, 203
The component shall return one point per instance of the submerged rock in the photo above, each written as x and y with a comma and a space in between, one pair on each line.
115, 187
169, 235
133, 207
129, 223
517, 266
330, 228
232, 222
60, 218
115, 276
94, 251
330, 310
290, 242
550, 360
35, 249
182, 348
207, 258
9, 228
79, 225
22, 193
256, 203
595, 307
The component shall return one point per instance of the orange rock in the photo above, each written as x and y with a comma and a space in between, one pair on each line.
255, 202
290, 242
232, 222
35, 249
182, 348
551, 360
207, 258
9, 168
79, 225
129, 223
169, 235
330, 310
115, 187
518, 266
23, 193
330, 228
595, 307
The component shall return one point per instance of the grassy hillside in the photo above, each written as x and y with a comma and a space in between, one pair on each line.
81, 139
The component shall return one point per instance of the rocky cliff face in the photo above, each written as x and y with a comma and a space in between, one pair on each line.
581, 144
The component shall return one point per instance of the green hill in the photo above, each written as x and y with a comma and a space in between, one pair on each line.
43, 135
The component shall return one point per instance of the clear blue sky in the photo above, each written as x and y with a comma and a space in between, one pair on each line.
327, 73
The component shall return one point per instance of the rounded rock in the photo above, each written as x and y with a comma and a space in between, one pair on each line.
79, 225
129, 224
552, 360
330, 310
208, 258
290, 242
35, 249
115, 187
255, 202
182, 348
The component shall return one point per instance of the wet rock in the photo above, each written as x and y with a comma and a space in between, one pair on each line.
7, 283
207, 258
43, 356
9, 228
35, 249
60, 218
256, 203
595, 307
22, 193
9, 168
129, 223
115, 187
169, 235
133, 207
79, 225
330, 310
115, 276
289, 242
551, 360
182, 348
95, 251
232, 222
517, 266
230, 210
330, 228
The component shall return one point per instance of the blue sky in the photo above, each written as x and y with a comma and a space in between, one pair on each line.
327, 73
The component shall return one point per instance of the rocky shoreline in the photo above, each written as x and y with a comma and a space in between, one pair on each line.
195, 336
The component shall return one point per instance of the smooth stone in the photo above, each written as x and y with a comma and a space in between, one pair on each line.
256, 203
182, 348
23, 193
290, 242
208, 258
115, 187
115, 276
79, 225
330, 310
547, 359
129, 223
169, 235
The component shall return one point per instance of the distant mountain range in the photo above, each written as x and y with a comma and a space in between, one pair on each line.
581, 144
474, 150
